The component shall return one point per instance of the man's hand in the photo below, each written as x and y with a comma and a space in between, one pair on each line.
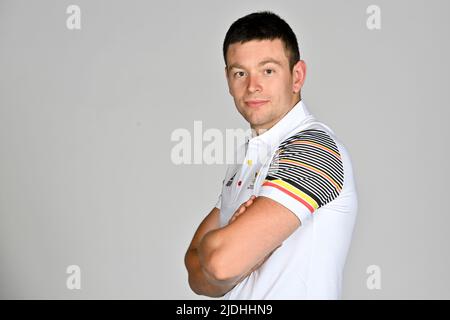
242, 209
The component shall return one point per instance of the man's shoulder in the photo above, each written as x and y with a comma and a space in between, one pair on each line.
315, 134
315, 148
315, 137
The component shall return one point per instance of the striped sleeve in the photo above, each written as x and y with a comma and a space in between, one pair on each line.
305, 174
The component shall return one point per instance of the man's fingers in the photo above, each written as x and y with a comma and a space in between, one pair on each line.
242, 208
249, 201
234, 217
238, 212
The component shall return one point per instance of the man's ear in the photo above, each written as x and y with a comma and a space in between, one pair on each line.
298, 75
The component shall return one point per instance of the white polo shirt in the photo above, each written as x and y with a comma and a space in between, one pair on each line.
300, 164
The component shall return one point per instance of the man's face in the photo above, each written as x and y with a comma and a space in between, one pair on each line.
263, 87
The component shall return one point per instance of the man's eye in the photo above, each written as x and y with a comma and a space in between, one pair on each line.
269, 71
239, 74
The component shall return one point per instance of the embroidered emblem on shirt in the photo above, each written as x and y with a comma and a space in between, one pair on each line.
230, 182
252, 184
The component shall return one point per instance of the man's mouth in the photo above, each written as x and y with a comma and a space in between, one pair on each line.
255, 103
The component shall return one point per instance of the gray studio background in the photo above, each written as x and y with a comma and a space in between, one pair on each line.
86, 117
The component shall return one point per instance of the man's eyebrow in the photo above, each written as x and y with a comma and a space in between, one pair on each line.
270, 60
265, 61
236, 66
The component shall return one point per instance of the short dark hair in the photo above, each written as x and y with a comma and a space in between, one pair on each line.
264, 25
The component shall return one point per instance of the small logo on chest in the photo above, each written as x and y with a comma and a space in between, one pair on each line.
230, 182
252, 184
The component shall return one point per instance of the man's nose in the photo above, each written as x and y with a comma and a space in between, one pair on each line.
254, 84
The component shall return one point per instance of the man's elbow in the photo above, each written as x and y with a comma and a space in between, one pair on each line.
216, 261
219, 269
205, 291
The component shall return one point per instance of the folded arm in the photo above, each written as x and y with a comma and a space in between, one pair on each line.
230, 253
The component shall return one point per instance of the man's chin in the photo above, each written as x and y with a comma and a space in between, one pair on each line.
257, 124
255, 119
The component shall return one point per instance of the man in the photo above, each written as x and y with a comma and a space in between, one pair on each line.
284, 220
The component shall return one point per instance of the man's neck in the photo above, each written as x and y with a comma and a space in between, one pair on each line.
261, 129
